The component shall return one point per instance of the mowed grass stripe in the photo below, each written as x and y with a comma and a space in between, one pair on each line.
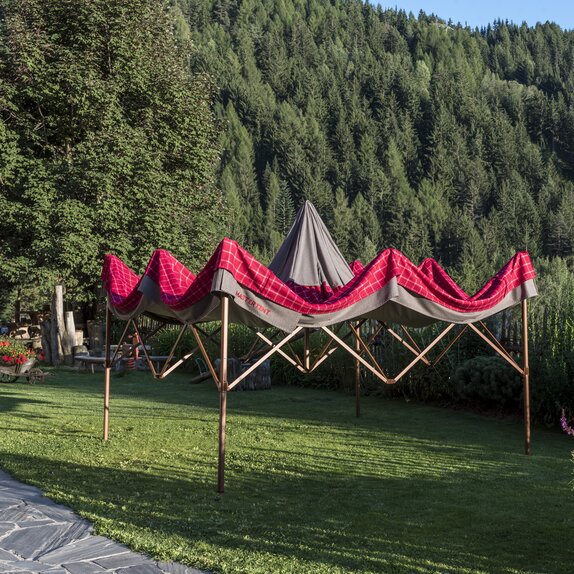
309, 487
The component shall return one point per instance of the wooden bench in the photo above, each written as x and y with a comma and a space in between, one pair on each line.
86, 360
89, 360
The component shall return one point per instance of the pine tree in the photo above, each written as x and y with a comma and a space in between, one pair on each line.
341, 227
284, 210
239, 178
364, 233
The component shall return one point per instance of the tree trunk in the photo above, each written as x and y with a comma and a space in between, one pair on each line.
96, 335
69, 338
58, 325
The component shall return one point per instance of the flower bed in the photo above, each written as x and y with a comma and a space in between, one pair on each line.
14, 353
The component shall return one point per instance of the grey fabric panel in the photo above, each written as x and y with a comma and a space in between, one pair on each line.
146, 305
151, 303
415, 308
308, 255
395, 304
377, 300
408, 309
123, 316
245, 307
250, 309
192, 314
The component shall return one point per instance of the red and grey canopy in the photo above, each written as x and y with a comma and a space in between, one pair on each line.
309, 284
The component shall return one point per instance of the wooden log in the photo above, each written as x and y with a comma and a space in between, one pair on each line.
200, 378
69, 338
58, 325
259, 379
96, 335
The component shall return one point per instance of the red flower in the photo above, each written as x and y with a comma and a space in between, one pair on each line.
14, 352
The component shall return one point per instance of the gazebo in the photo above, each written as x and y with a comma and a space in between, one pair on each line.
307, 289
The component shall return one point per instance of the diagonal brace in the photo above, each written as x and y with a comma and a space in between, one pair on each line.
502, 352
421, 355
255, 365
357, 356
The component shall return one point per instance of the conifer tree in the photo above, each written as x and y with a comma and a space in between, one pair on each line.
342, 222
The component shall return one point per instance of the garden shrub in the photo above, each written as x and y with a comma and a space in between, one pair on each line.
569, 430
488, 381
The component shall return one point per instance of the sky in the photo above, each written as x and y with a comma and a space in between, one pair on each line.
481, 12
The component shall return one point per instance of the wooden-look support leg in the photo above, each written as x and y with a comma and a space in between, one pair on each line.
223, 384
357, 372
107, 373
306, 351
526, 377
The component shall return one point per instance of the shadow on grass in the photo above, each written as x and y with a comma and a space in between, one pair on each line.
343, 522
321, 412
10, 401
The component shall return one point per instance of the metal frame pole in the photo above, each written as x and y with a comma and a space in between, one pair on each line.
107, 372
526, 377
223, 384
357, 371
307, 351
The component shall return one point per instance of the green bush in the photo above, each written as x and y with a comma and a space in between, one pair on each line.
489, 380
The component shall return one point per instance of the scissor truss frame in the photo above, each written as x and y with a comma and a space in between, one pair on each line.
278, 343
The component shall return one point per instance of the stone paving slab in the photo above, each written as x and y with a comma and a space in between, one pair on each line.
32, 565
35, 541
8, 556
90, 548
83, 568
38, 536
5, 527
120, 561
140, 569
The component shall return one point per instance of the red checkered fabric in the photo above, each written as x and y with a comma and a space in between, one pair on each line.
180, 289
436, 274
172, 277
357, 267
122, 284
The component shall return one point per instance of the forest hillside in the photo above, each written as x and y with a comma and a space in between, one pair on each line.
405, 131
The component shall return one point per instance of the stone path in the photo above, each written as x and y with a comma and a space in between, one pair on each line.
40, 536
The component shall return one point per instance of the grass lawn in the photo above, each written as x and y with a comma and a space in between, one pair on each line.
406, 488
